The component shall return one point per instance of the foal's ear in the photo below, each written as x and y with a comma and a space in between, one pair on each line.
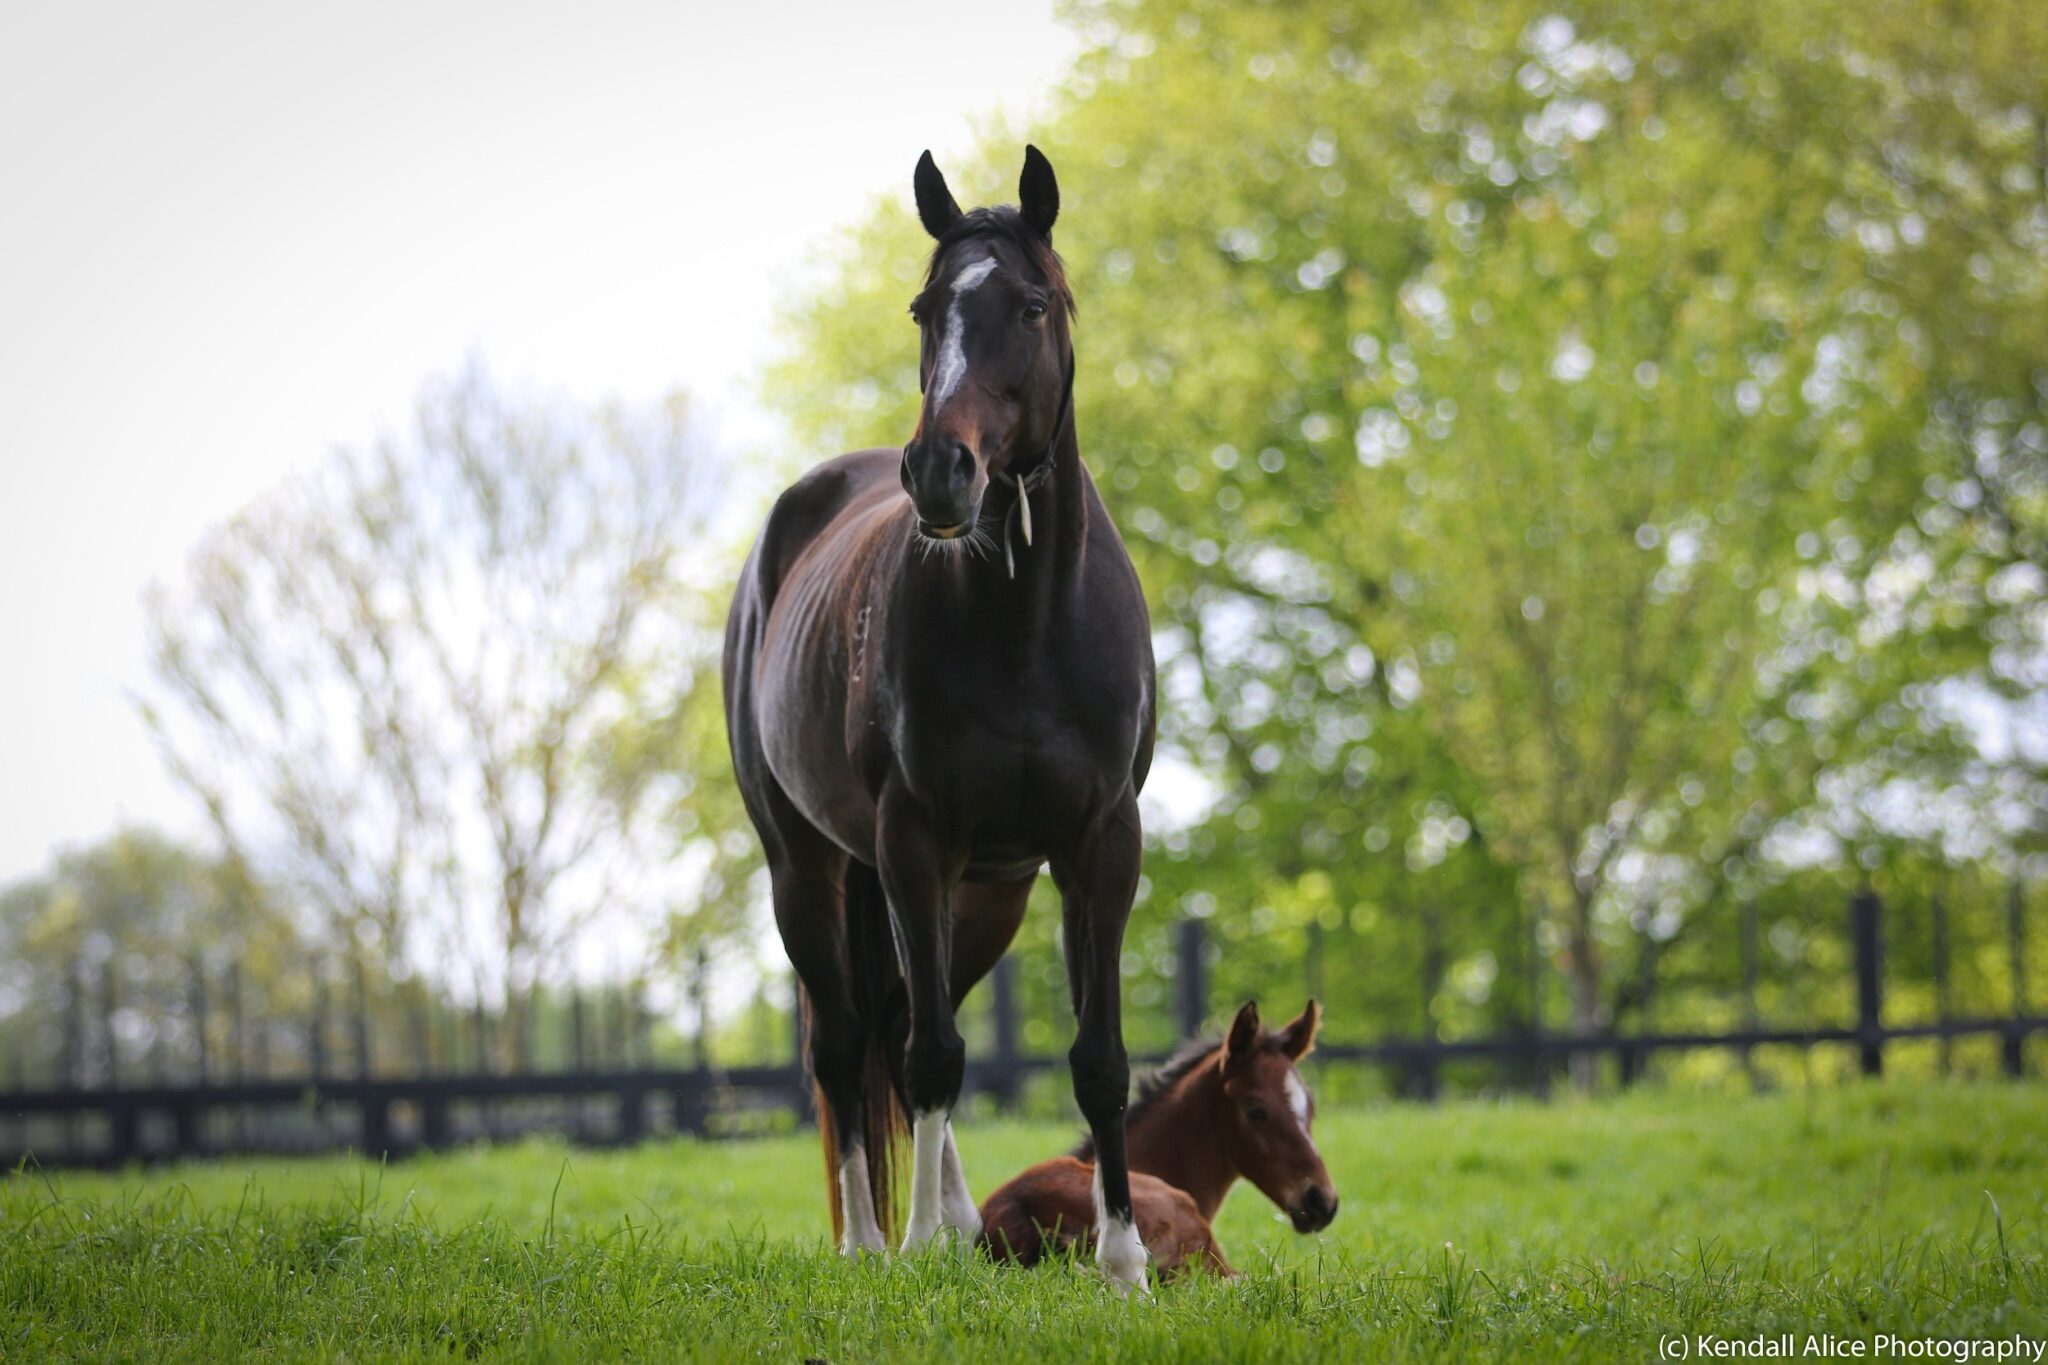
1298, 1039
1243, 1040
1038, 194
935, 206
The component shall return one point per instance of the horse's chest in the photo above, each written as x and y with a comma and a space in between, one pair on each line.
1018, 754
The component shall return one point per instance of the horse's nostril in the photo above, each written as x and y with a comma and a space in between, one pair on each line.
963, 462
1318, 1207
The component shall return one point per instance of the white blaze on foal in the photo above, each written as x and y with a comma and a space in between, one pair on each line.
952, 366
1297, 1099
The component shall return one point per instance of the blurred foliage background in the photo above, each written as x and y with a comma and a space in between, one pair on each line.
1589, 470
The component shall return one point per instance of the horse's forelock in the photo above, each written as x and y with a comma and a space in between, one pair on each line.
1003, 223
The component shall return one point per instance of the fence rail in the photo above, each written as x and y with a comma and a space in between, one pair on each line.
376, 1114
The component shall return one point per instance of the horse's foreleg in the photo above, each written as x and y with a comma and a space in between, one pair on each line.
935, 1058
1096, 889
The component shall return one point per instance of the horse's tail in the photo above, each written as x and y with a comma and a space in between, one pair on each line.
879, 996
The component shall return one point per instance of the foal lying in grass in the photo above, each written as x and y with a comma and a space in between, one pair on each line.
1212, 1113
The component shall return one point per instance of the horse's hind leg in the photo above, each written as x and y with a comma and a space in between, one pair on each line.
917, 883
1097, 884
808, 912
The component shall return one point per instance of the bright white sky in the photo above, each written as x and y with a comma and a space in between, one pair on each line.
235, 235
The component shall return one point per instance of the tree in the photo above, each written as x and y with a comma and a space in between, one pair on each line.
114, 938
1580, 434
399, 686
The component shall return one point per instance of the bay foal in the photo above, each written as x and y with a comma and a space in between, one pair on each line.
1214, 1113
938, 678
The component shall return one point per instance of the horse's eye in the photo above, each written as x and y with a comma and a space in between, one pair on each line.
1255, 1112
1034, 310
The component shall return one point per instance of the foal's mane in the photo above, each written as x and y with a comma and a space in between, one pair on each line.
1156, 1084
1004, 223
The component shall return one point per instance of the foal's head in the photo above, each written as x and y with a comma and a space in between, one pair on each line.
1267, 1114
994, 362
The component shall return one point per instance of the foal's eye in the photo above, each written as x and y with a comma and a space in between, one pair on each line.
1255, 1112
1034, 310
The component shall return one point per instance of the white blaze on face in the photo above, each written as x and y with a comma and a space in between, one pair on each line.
1297, 1100
952, 366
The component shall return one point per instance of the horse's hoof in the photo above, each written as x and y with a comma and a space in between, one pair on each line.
1122, 1258
937, 1237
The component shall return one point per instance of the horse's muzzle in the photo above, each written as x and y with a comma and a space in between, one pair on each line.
1315, 1210
945, 484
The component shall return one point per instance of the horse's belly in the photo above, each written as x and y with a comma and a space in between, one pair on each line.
803, 734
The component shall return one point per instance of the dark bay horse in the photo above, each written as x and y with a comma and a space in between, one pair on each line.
1215, 1113
939, 678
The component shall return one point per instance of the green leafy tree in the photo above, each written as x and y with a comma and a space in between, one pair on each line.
1552, 443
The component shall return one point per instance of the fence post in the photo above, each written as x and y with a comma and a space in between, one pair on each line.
74, 1026
1539, 1060
1942, 998
1314, 961
199, 1015
1003, 1071
1866, 930
316, 1028
575, 1028
1752, 1017
480, 1063
363, 1059
1424, 1077
689, 1100
233, 1070
2015, 1055
700, 1003
376, 1121
798, 1028
108, 1005
1193, 974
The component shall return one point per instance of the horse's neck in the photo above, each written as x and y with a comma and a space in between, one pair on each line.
1179, 1138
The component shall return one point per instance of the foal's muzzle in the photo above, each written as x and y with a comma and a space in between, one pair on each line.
945, 484
1314, 1210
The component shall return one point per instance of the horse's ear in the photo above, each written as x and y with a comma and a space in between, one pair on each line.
1298, 1039
935, 206
1243, 1040
1038, 194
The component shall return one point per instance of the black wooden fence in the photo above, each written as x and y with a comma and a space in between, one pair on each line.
120, 1122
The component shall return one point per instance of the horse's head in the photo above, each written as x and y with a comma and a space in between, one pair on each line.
1269, 1114
994, 362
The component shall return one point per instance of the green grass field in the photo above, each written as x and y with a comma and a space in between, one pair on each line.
1587, 1230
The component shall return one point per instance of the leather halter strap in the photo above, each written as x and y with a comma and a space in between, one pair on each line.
1036, 477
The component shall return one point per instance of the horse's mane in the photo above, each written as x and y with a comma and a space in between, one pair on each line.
1155, 1084
1006, 224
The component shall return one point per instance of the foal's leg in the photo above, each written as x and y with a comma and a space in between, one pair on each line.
1097, 885
935, 1058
